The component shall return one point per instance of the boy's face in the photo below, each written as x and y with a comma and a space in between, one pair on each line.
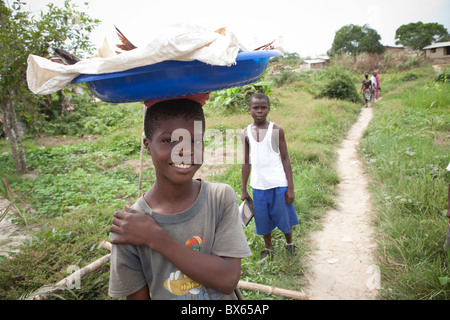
259, 109
176, 149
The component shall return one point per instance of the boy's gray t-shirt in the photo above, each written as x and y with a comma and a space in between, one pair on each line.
211, 225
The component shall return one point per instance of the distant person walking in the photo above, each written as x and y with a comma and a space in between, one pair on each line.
378, 82
366, 89
373, 83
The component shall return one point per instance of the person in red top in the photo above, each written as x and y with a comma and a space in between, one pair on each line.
377, 78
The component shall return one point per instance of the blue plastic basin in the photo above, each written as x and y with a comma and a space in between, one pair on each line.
170, 79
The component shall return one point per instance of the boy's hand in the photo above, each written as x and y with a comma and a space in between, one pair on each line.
134, 228
289, 197
244, 195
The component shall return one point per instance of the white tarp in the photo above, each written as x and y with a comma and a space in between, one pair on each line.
179, 42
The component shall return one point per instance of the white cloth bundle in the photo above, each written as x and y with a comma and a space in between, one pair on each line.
178, 42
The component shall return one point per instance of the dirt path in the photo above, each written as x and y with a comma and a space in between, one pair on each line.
343, 267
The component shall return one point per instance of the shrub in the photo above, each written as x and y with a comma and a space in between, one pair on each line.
339, 85
442, 77
235, 100
285, 77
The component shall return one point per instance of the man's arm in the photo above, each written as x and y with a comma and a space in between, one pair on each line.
285, 160
246, 166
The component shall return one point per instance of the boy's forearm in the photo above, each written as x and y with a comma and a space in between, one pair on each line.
288, 171
220, 273
245, 175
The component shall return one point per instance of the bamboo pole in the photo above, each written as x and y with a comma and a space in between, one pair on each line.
297, 295
68, 281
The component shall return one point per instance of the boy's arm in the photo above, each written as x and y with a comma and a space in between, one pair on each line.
246, 167
285, 160
142, 230
141, 294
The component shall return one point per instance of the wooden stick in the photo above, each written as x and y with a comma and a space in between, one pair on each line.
106, 245
297, 295
84, 271
74, 277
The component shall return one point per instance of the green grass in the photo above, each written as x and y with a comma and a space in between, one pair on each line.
407, 149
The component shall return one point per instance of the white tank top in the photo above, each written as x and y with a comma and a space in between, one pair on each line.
267, 168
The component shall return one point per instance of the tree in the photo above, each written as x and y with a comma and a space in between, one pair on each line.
352, 39
20, 35
419, 35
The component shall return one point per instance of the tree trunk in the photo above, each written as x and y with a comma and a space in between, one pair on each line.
10, 136
13, 136
66, 106
23, 160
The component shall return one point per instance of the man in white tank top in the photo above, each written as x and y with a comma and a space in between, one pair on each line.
266, 161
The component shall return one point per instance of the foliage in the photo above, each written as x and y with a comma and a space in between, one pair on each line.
91, 118
419, 35
236, 99
287, 60
21, 34
64, 243
339, 85
286, 76
352, 39
443, 77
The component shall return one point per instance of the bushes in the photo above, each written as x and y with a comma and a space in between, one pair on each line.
443, 77
235, 100
333, 83
339, 85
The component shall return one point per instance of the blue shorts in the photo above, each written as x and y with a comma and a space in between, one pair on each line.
270, 211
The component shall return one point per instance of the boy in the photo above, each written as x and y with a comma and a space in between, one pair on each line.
183, 238
266, 157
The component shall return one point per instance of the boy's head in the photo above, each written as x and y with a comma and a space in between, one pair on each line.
174, 138
259, 96
259, 107
169, 109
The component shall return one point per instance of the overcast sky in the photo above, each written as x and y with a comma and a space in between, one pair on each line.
307, 27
